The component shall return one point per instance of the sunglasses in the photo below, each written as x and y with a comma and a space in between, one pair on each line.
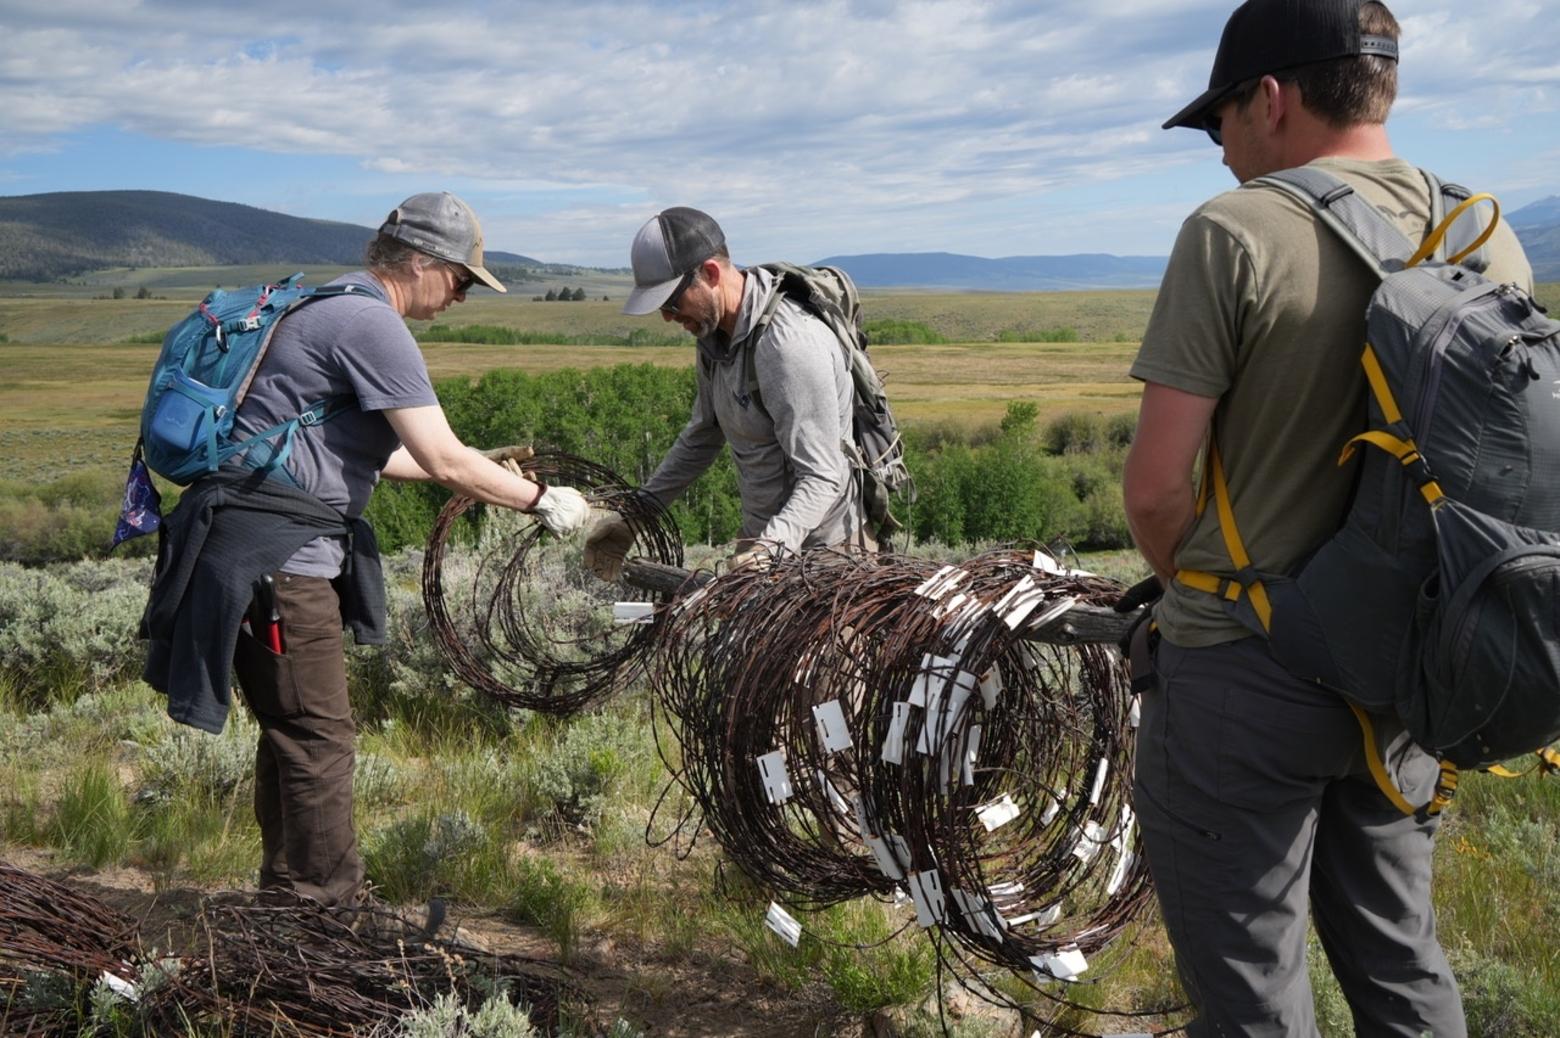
669, 308
1215, 126
464, 279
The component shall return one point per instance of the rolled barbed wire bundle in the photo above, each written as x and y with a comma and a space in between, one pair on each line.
853, 725
528, 625
738, 666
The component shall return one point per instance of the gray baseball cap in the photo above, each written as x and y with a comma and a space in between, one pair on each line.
438, 223
669, 245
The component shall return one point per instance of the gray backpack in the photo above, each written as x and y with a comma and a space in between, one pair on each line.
1440, 594
875, 449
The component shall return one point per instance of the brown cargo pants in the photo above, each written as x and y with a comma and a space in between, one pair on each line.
305, 759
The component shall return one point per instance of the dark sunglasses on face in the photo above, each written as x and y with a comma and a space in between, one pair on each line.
1215, 126
669, 308
464, 279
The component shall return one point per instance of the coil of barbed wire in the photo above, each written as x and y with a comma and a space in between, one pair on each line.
735, 669
849, 725
543, 644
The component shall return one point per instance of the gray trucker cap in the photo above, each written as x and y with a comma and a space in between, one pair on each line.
438, 223
667, 247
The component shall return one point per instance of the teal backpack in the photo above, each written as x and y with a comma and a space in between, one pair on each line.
206, 365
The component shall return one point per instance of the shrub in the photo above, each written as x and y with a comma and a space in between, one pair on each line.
70, 627
448, 1017
180, 762
576, 778
890, 331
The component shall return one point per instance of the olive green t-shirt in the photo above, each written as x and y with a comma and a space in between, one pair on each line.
1263, 307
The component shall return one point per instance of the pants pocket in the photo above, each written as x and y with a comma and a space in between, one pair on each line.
268, 679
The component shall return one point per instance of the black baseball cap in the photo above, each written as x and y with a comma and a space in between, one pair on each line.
667, 247
1267, 36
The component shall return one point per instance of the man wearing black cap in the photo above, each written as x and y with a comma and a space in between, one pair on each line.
1252, 790
297, 542
786, 433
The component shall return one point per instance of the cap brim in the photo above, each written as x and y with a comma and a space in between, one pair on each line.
647, 299
1194, 115
487, 279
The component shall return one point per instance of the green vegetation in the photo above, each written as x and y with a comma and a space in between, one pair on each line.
899, 332
498, 335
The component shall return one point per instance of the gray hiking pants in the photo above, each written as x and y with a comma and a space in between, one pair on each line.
1256, 807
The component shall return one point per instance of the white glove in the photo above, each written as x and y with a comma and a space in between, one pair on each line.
606, 546
561, 509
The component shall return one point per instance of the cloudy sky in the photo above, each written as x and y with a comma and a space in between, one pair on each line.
808, 129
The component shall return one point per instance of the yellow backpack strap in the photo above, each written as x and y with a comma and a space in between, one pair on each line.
1445, 785
1246, 579
1431, 243
1548, 763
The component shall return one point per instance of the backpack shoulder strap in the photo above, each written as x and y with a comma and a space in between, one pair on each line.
1462, 237
1371, 235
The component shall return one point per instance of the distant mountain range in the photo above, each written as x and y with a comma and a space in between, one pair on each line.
50, 236
43, 237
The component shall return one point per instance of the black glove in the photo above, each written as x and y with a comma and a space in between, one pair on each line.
1139, 597
1142, 593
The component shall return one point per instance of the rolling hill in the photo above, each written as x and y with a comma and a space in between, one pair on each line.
49, 236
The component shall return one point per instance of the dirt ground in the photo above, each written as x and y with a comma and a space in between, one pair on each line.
702, 995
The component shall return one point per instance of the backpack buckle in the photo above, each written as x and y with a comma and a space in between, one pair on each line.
250, 324
309, 418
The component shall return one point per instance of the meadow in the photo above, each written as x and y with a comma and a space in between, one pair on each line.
536, 827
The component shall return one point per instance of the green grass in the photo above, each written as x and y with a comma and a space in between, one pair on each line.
92, 820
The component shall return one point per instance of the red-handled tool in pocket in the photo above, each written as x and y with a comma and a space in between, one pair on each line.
265, 619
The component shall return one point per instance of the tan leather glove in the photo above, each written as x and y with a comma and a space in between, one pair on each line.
562, 510
514, 452
606, 546
757, 558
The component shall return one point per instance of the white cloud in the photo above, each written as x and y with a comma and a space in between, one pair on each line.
845, 123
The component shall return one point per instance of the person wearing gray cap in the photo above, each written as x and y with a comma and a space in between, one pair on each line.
786, 434
296, 542
1256, 803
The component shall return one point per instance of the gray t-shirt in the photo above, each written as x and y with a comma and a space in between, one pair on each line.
354, 346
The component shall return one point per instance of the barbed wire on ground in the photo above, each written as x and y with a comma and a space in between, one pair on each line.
69, 964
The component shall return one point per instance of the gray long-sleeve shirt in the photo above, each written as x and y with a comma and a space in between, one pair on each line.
789, 450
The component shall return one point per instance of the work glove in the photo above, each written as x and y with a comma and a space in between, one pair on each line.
514, 452
757, 558
606, 546
561, 509
1139, 597
1142, 593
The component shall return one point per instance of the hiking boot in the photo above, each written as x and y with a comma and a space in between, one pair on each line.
370, 916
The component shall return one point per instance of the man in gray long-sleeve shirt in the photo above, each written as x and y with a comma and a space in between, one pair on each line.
787, 433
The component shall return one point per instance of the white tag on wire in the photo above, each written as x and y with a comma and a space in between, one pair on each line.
891, 854
777, 782
1051, 613
926, 891
830, 719
894, 741
991, 687
835, 800
1100, 771
1065, 964
941, 582
980, 913
633, 612
971, 754
1089, 842
941, 715
784, 924
998, 813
